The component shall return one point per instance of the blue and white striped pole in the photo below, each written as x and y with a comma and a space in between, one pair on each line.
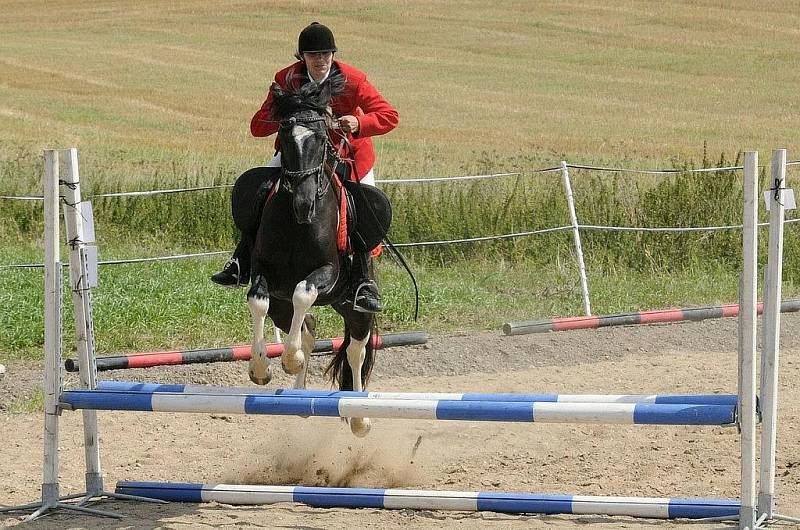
684, 399
518, 503
541, 412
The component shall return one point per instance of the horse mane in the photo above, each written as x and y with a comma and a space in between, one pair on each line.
311, 96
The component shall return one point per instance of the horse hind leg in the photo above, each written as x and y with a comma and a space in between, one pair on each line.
258, 302
356, 353
293, 358
308, 341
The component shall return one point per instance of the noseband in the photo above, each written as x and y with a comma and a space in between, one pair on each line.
291, 179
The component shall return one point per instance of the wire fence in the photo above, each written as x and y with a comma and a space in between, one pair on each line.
433, 180
426, 180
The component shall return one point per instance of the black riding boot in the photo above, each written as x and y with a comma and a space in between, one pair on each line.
236, 272
366, 297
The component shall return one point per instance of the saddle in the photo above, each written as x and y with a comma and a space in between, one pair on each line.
365, 211
250, 192
369, 216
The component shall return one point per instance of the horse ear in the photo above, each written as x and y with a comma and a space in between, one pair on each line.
276, 90
279, 101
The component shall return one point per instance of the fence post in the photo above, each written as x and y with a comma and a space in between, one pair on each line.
771, 347
748, 286
576, 235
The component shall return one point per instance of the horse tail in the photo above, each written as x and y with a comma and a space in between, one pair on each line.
339, 367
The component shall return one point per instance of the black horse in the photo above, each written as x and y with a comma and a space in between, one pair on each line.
296, 262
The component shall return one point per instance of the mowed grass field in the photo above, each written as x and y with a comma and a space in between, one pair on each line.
160, 94
150, 86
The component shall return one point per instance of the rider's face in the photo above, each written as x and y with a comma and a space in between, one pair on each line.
318, 63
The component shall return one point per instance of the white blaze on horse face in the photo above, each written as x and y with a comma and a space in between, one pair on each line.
300, 133
293, 358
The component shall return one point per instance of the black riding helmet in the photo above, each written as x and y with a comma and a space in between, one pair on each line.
316, 38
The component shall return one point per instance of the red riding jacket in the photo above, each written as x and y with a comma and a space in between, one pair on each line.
360, 99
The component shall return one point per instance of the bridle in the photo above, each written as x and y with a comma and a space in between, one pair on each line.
291, 179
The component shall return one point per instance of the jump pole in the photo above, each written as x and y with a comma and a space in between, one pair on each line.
656, 316
661, 399
399, 499
235, 353
51, 498
430, 409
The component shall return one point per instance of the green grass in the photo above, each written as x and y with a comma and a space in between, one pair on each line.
28, 405
138, 86
160, 96
173, 305
462, 286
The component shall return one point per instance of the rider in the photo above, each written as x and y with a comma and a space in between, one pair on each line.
361, 113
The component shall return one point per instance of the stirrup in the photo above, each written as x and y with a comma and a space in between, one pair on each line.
367, 291
227, 277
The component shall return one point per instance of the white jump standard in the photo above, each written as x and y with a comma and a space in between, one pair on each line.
53, 378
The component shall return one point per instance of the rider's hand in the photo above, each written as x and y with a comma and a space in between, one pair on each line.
349, 124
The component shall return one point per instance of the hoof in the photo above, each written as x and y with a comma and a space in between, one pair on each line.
360, 426
265, 379
293, 363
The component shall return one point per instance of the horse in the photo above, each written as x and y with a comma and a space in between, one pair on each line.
296, 263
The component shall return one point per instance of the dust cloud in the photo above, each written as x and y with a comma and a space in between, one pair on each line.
329, 455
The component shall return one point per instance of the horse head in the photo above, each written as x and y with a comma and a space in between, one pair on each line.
296, 263
303, 135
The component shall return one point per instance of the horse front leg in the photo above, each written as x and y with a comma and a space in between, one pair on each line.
258, 301
356, 352
293, 358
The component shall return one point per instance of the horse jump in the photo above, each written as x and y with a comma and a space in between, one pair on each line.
298, 256
742, 412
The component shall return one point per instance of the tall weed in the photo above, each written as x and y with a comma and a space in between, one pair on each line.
461, 210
